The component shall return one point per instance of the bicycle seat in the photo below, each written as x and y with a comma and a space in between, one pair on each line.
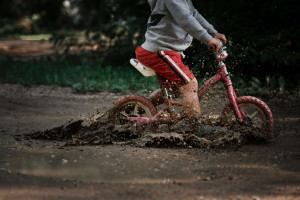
143, 69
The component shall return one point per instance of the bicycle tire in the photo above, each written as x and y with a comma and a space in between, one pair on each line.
260, 106
145, 106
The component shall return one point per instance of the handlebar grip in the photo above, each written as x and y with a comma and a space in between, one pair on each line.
211, 48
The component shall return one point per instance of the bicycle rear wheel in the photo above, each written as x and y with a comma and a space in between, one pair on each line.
131, 106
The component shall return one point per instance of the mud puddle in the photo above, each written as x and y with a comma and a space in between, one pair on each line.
93, 149
99, 130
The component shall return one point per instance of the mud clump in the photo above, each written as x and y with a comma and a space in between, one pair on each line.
59, 133
102, 131
88, 132
171, 139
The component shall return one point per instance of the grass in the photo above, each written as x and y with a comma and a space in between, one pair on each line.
35, 37
93, 77
27, 37
80, 76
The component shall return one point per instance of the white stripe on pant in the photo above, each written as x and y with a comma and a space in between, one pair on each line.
176, 67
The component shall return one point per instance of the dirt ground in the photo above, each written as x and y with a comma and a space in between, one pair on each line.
39, 169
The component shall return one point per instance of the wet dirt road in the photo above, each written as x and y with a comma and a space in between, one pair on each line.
34, 169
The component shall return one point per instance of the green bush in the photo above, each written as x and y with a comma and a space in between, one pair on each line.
78, 75
84, 76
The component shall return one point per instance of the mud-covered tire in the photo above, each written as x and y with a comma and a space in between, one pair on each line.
132, 105
256, 104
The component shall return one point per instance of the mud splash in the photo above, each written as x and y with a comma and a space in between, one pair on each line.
99, 130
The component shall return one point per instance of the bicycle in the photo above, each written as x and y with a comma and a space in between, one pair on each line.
247, 110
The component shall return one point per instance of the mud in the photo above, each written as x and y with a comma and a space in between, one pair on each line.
99, 130
135, 166
46, 169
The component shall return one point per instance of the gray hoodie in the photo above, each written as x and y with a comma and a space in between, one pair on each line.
173, 24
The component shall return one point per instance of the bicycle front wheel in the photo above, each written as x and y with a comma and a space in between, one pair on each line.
258, 113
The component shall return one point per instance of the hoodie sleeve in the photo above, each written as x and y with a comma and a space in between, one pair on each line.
180, 11
210, 29
152, 3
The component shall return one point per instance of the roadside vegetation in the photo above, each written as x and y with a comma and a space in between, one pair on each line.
263, 44
84, 76
81, 76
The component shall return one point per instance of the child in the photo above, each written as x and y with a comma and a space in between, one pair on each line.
171, 28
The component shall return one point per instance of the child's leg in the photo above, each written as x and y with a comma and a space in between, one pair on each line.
172, 72
158, 97
190, 99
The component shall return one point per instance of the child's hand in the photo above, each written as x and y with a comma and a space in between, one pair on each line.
214, 45
221, 37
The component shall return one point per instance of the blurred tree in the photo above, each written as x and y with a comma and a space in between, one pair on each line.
263, 35
112, 27
35, 16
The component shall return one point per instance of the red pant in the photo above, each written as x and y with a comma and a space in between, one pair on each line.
167, 65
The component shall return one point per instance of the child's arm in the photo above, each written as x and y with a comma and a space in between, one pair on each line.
181, 13
210, 29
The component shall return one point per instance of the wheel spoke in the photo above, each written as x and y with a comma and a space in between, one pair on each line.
124, 114
130, 109
254, 114
135, 111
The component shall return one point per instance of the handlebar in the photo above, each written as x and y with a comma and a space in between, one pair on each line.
212, 48
221, 54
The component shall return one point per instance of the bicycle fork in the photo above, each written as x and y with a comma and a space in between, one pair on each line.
241, 116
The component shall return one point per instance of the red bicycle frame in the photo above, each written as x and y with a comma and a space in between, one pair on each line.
222, 75
171, 116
